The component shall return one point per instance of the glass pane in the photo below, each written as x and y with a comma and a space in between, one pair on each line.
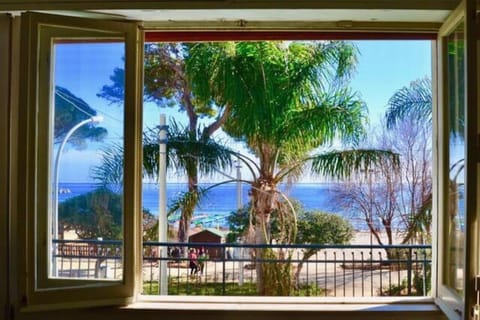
86, 162
454, 221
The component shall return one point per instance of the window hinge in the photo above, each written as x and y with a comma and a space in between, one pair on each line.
476, 307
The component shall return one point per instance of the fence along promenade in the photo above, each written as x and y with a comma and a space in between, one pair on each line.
333, 271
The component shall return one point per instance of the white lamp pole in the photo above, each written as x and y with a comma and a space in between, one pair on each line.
239, 185
239, 207
56, 173
162, 205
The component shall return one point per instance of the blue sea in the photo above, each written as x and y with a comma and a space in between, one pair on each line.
220, 201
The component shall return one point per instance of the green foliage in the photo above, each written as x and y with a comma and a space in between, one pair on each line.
190, 149
412, 101
313, 227
166, 83
287, 100
162, 81
109, 173
395, 290
320, 228
342, 164
115, 92
456, 85
191, 153
323, 228
184, 153
238, 223
199, 287
277, 276
92, 215
421, 278
289, 97
413, 104
69, 111
150, 226
421, 223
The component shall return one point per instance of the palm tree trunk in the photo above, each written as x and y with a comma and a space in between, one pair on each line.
262, 212
259, 252
187, 212
192, 173
273, 266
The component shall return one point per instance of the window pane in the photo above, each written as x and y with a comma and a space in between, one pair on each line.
86, 162
454, 223
252, 226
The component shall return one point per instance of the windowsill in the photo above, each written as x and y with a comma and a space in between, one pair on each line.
354, 304
252, 308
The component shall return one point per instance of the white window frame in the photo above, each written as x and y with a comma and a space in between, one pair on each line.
454, 305
447, 300
34, 209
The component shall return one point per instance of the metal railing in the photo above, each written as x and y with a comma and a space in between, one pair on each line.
91, 259
231, 269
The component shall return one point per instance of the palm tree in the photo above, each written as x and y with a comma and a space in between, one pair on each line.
287, 100
415, 102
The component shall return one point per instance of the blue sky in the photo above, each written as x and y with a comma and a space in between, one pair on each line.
386, 66
383, 67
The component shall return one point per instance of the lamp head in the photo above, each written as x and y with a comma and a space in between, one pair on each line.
96, 119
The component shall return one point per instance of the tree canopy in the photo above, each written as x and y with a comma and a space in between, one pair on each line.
313, 227
287, 98
167, 84
69, 111
95, 214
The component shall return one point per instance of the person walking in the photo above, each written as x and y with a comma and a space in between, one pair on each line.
193, 262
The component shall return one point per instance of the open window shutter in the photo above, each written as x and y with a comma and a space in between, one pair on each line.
456, 159
62, 59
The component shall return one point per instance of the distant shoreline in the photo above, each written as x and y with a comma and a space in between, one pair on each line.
216, 206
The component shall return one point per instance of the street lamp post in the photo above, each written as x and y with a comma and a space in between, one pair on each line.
239, 207
56, 173
162, 205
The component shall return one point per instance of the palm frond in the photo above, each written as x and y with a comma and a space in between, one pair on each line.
414, 101
336, 115
264, 81
186, 152
342, 164
109, 173
186, 202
